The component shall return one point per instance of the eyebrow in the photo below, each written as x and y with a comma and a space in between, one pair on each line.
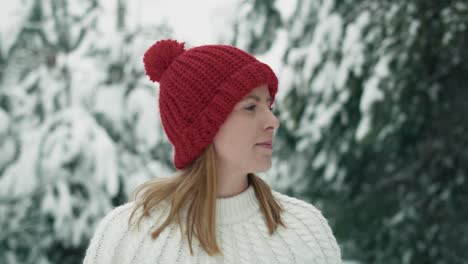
255, 97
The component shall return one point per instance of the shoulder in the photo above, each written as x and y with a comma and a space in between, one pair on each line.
114, 230
109, 229
292, 204
115, 219
118, 212
308, 221
115, 235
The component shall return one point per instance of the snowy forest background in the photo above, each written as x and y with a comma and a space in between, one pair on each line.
373, 103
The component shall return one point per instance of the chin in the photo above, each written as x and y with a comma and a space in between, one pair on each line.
261, 167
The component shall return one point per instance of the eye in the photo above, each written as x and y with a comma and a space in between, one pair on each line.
251, 108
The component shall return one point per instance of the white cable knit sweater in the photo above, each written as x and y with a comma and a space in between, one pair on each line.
241, 234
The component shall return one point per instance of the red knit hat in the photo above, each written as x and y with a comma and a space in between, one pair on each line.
199, 87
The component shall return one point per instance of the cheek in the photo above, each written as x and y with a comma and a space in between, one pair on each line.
235, 138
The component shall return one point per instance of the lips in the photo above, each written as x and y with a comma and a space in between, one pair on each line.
267, 144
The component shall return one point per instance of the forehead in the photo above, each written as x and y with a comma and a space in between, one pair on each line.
259, 93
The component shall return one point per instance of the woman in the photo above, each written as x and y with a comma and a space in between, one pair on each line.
215, 106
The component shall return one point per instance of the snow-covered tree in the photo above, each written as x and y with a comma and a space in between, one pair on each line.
79, 128
373, 109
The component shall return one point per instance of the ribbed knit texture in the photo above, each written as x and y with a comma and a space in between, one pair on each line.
198, 89
241, 233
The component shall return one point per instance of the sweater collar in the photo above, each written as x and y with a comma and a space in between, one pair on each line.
237, 208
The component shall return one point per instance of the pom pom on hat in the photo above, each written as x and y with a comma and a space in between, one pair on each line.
159, 56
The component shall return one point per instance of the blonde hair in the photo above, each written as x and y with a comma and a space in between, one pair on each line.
195, 187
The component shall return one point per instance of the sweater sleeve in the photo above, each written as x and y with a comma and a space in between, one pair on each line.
107, 234
316, 231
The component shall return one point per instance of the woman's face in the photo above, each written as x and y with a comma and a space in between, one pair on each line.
250, 122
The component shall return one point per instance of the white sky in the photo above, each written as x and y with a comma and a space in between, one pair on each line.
196, 22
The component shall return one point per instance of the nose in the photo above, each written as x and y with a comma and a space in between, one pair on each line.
272, 122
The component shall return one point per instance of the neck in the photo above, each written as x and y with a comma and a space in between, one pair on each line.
237, 208
230, 185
